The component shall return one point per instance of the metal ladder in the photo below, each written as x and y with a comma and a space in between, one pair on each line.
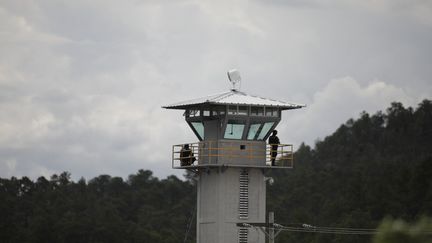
243, 204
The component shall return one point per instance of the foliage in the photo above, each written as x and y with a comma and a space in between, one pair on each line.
398, 231
106, 209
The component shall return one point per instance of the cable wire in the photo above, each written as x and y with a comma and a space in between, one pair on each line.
328, 230
305, 228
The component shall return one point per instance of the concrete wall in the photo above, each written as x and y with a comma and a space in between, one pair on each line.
218, 205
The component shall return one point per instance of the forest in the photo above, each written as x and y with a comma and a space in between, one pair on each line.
372, 172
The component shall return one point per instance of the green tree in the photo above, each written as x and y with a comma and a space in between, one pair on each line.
398, 231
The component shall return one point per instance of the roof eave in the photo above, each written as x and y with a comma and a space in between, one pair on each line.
184, 107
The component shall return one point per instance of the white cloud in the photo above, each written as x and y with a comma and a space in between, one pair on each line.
82, 83
8, 166
16, 28
417, 10
339, 101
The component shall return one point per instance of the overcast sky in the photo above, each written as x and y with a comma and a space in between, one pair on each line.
82, 82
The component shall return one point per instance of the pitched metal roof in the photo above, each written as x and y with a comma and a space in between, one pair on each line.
234, 97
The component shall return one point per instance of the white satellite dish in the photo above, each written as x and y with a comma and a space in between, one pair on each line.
234, 78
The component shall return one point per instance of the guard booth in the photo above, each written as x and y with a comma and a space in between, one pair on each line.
230, 158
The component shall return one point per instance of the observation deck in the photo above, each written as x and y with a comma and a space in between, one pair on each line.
231, 153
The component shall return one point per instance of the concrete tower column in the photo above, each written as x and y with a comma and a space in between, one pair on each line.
227, 196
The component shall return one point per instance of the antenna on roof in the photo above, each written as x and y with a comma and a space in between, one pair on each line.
234, 78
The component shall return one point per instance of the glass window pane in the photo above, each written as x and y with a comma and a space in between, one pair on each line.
243, 110
265, 130
234, 129
193, 113
232, 110
220, 110
253, 129
257, 111
206, 113
269, 111
199, 128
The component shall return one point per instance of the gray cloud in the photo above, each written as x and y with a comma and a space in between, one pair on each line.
82, 83
340, 100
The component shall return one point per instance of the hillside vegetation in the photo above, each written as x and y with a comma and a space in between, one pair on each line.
370, 168
105, 209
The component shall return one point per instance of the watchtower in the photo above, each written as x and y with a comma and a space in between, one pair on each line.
230, 160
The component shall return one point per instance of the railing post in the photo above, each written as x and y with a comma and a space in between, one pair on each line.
292, 156
271, 229
282, 153
172, 163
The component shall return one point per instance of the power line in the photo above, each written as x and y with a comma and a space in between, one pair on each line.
306, 228
328, 230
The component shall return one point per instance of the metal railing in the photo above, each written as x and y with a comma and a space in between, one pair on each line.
251, 154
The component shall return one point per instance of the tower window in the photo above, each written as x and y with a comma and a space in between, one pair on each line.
232, 110
270, 111
242, 110
234, 129
199, 129
193, 113
257, 111
253, 131
265, 130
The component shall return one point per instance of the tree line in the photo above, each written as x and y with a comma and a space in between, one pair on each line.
104, 209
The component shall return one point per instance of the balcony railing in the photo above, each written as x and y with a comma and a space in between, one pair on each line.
231, 153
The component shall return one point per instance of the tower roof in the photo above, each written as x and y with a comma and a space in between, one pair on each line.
234, 97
